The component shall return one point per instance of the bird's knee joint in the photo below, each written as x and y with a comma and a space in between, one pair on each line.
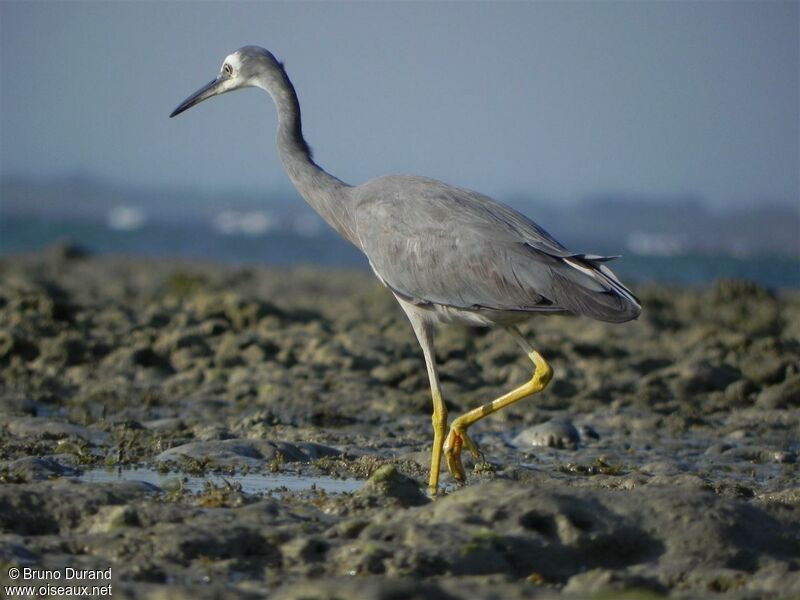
546, 375
543, 373
439, 421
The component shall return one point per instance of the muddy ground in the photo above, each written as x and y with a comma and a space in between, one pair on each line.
661, 461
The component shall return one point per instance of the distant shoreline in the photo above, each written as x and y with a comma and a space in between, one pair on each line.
324, 249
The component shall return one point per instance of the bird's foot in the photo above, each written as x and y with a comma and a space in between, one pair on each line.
455, 442
452, 454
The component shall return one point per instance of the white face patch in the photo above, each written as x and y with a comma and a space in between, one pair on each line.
234, 62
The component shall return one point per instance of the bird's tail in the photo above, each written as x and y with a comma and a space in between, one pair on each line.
593, 290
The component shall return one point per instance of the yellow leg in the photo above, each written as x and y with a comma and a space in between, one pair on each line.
423, 329
458, 438
439, 429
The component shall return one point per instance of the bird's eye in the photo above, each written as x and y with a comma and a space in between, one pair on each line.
227, 69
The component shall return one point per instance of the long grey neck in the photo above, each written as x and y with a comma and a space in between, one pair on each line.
326, 194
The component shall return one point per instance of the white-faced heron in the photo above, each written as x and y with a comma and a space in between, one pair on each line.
448, 255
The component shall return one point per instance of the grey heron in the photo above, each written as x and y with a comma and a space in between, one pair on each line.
449, 255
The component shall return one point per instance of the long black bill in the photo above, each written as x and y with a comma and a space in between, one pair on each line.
210, 89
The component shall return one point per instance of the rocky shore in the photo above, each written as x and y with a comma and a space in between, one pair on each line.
662, 461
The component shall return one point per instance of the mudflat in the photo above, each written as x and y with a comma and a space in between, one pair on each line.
214, 431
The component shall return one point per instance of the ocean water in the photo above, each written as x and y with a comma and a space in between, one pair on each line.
324, 248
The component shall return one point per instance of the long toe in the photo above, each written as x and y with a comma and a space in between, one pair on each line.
471, 446
452, 454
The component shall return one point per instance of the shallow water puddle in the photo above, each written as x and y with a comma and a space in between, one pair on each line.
253, 483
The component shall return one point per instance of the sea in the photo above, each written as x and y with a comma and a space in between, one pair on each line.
323, 248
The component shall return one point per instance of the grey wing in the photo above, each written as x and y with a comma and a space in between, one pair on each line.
436, 244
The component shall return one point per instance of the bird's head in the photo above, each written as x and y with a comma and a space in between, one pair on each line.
250, 66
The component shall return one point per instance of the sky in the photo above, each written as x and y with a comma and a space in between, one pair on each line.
554, 101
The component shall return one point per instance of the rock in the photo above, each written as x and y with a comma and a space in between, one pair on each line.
46, 507
165, 425
304, 550
240, 452
739, 392
233, 452
744, 306
146, 357
32, 468
753, 454
178, 339
604, 582
787, 497
556, 433
314, 451
228, 351
187, 359
702, 376
785, 457
388, 482
186, 542
214, 326
19, 404
563, 388
212, 432
559, 532
115, 517
127, 359
247, 313
783, 395
40, 427
15, 344
368, 589
64, 350
254, 354
764, 367
396, 371
14, 552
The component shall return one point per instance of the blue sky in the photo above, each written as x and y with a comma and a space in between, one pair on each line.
553, 100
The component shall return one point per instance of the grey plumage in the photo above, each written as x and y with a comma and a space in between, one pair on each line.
448, 254
432, 243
